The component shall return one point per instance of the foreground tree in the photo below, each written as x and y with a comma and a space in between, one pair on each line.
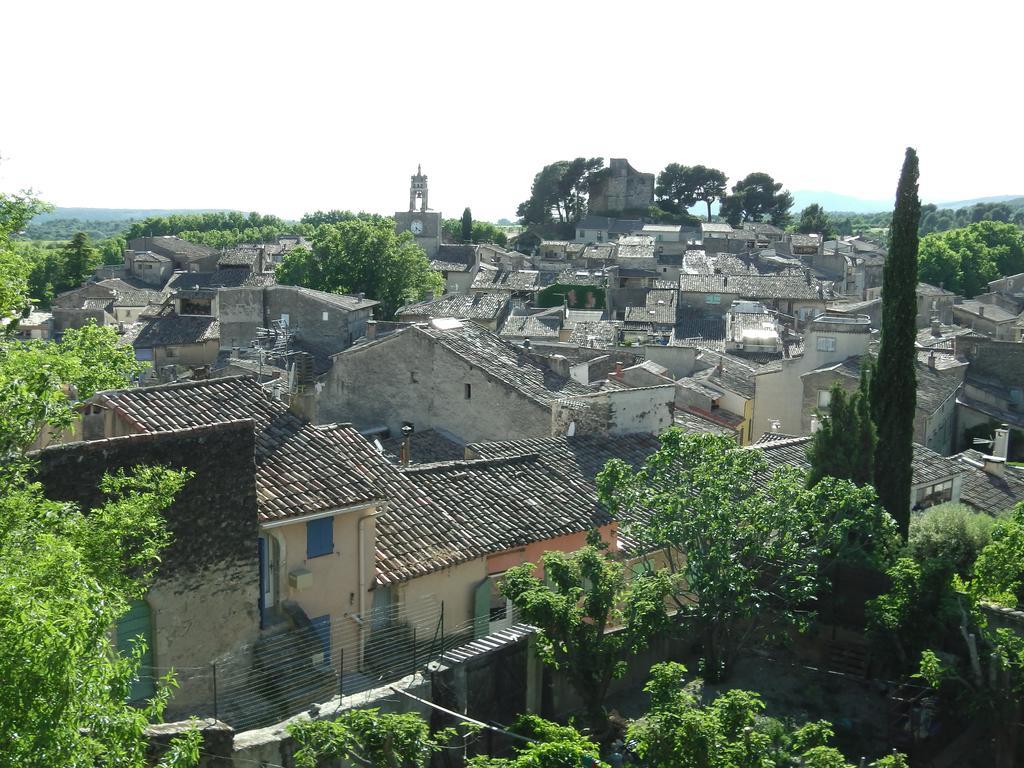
844, 445
894, 381
362, 256
737, 535
467, 226
367, 737
730, 731
755, 198
582, 595
549, 746
989, 675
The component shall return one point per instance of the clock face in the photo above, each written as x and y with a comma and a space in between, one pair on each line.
416, 227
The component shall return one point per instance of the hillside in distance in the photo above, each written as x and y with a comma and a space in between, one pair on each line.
117, 214
1014, 201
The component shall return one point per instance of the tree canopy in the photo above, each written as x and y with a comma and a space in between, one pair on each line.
583, 594
560, 191
737, 535
965, 260
680, 187
844, 445
480, 232
814, 220
757, 197
363, 256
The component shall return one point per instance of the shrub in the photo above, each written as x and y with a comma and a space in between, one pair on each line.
951, 533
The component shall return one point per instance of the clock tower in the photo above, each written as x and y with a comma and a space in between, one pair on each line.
424, 224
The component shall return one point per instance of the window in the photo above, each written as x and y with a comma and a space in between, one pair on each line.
824, 398
284, 319
826, 344
325, 317
712, 298
582, 234
319, 537
1016, 394
930, 495
469, 391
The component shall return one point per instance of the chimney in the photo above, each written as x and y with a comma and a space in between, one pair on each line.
1001, 445
981, 310
931, 360
371, 330
618, 369
936, 327
360, 296
807, 276
725, 280
994, 465
526, 344
720, 367
405, 451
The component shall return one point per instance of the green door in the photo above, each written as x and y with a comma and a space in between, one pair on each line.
138, 622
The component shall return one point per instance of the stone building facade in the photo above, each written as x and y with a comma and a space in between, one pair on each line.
203, 603
621, 188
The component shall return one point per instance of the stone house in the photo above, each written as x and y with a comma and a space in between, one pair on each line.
319, 323
457, 265
798, 296
151, 268
653, 321
185, 256
485, 308
993, 389
933, 303
311, 553
935, 479
445, 374
779, 402
723, 391
91, 302
603, 229
203, 602
36, 325
522, 284
990, 319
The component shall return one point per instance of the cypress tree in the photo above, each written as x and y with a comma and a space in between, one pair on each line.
844, 445
894, 385
467, 226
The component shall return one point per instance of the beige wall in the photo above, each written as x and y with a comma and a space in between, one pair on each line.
451, 586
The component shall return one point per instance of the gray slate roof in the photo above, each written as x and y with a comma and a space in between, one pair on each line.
503, 280
221, 278
986, 492
478, 306
454, 258
929, 467
169, 329
751, 286
299, 470
531, 326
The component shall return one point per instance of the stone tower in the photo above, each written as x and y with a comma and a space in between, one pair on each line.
424, 224
621, 188
418, 190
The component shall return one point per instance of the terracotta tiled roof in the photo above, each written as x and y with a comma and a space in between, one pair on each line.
299, 470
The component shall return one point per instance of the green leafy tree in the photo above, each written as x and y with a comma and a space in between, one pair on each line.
844, 445
989, 674
80, 260
894, 380
755, 198
949, 533
16, 210
728, 732
367, 737
549, 746
706, 186
737, 536
482, 232
467, 226
966, 259
815, 220
360, 256
681, 186
560, 190
41, 380
583, 594
66, 577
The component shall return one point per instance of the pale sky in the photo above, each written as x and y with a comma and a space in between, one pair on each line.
293, 106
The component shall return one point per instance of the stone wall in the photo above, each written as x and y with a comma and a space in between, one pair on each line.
621, 188
240, 312
204, 599
410, 378
306, 316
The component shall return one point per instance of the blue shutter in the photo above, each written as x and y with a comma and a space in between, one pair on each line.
319, 537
